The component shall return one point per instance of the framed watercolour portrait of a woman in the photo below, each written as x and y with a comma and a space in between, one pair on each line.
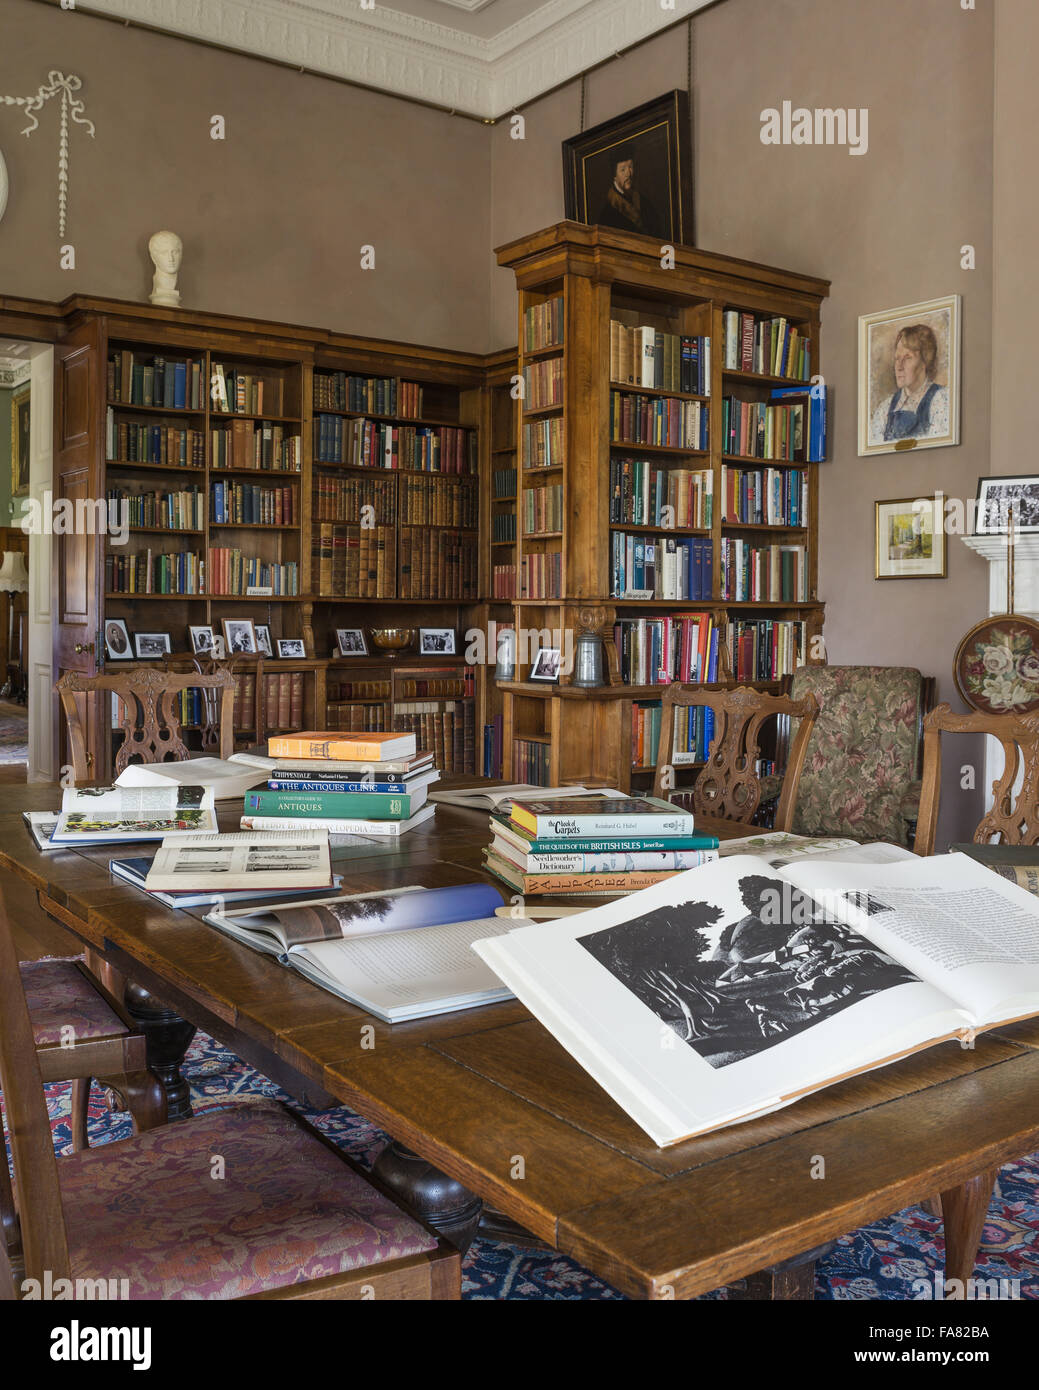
909, 377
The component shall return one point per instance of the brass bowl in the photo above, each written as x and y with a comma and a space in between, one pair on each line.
392, 640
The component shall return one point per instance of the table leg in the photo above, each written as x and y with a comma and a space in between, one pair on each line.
451, 1209
964, 1209
167, 1038
790, 1279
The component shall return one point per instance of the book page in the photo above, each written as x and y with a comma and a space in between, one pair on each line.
956, 923
715, 995
115, 813
287, 859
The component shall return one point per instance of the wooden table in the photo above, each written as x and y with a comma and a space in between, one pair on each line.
498, 1112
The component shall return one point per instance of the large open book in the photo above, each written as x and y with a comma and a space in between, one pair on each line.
733, 989
120, 814
400, 955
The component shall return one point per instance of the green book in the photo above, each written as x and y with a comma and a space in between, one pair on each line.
335, 805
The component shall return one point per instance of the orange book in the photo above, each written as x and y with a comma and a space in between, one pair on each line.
337, 747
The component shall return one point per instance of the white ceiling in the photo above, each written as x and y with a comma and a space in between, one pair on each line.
482, 57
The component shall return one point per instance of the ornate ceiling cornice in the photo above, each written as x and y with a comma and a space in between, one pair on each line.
13, 372
412, 56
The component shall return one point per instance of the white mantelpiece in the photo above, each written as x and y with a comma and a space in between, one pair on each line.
1026, 571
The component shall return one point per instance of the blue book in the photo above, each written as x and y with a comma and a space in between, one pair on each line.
180, 383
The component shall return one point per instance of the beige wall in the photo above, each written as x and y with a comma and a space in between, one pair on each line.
272, 218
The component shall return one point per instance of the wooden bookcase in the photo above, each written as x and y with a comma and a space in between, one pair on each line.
567, 576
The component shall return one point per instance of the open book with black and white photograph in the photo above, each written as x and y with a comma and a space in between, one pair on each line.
731, 990
400, 954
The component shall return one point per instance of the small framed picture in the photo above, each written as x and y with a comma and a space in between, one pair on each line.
151, 645
995, 498
219, 652
240, 636
263, 639
350, 641
436, 641
546, 665
910, 538
117, 640
201, 640
291, 646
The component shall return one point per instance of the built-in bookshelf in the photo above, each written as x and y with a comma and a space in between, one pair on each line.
670, 439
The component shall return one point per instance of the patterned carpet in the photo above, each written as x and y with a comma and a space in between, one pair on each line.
879, 1262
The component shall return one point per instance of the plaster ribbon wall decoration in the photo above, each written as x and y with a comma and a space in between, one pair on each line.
72, 108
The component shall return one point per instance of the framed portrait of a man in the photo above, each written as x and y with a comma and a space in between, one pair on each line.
632, 173
909, 377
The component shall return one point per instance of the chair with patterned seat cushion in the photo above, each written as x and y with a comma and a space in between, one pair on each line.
861, 776
81, 1032
246, 1202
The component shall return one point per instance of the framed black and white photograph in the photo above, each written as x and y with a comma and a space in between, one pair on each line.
201, 640
909, 535
350, 641
263, 639
546, 665
117, 640
909, 377
632, 173
995, 498
436, 641
240, 636
151, 645
219, 651
291, 646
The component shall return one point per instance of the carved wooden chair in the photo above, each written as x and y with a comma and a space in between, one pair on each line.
149, 722
1014, 817
328, 1231
729, 785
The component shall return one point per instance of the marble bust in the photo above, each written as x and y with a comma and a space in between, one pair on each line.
166, 250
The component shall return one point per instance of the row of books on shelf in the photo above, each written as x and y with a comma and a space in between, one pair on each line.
661, 421
234, 392
431, 502
383, 395
251, 504
159, 382
542, 509
503, 483
352, 560
155, 572
541, 576
543, 325
184, 510
692, 732
337, 688
338, 498
766, 649
127, 441
437, 564
661, 566
767, 346
656, 651
763, 573
791, 426
543, 384
283, 699
645, 495
531, 759
503, 527
493, 746
353, 717
764, 496
447, 729
503, 582
260, 445
231, 571
645, 356
600, 844
544, 443
377, 444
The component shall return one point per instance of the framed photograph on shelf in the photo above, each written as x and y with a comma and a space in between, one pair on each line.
910, 538
240, 636
263, 639
632, 173
118, 646
436, 641
219, 651
350, 641
152, 645
909, 377
201, 640
995, 498
546, 665
291, 646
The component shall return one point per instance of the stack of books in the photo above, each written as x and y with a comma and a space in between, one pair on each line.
606, 846
348, 784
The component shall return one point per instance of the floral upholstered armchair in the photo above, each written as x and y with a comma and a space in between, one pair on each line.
860, 778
